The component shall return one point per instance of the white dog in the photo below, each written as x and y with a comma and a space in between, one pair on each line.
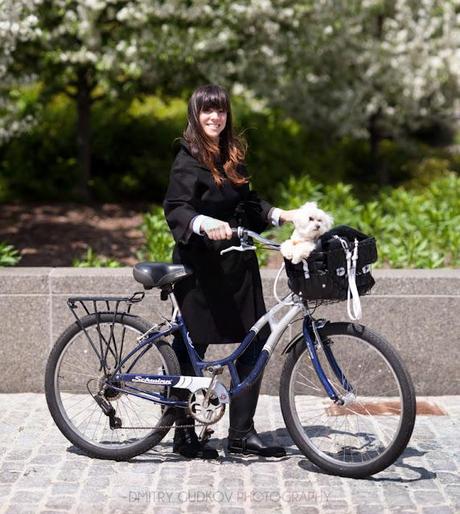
310, 223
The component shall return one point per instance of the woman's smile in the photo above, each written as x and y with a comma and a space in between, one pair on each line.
213, 122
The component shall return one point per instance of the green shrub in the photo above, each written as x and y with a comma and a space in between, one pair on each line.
415, 228
131, 146
9, 256
132, 152
91, 260
159, 242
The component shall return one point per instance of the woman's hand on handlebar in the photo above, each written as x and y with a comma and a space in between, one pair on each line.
216, 229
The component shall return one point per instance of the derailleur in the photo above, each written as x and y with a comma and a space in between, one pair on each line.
108, 410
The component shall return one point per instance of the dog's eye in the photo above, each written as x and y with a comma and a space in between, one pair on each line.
310, 219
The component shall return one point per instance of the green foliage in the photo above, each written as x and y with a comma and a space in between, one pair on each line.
414, 228
132, 152
159, 242
91, 260
41, 164
9, 256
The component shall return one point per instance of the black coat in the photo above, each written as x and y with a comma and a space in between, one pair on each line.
223, 298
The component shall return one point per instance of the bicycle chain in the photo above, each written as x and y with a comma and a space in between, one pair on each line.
163, 426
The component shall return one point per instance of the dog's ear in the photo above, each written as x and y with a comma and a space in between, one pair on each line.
329, 220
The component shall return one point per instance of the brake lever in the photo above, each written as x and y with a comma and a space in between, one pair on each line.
241, 248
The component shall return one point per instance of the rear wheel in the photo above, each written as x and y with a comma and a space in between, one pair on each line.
74, 377
371, 430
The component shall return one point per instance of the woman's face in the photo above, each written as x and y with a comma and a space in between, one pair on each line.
213, 122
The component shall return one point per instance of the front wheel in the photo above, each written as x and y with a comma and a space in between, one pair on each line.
373, 427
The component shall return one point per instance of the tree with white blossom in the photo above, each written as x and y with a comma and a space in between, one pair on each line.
371, 67
91, 49
18, 24
368, 67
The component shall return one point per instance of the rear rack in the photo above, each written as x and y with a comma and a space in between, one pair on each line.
114, 305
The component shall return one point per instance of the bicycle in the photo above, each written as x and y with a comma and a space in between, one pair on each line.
346, 397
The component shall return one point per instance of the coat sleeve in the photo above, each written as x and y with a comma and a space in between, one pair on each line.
256, 210
180, 202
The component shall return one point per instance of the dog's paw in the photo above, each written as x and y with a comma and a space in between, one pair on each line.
302, 251
286, 250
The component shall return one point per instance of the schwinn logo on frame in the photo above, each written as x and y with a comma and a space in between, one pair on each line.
156, 381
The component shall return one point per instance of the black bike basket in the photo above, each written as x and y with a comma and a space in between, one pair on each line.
339, 253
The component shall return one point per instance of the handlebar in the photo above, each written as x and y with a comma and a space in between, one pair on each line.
244, 234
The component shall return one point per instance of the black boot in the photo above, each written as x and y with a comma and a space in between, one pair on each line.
186, 442
242, 437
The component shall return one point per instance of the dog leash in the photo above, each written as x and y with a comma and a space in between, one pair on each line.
353, 301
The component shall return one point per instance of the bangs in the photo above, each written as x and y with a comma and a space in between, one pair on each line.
213, 98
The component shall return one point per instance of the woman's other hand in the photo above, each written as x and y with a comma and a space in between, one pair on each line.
288, 215
216, 229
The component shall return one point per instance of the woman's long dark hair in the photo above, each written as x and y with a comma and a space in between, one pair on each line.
230, 149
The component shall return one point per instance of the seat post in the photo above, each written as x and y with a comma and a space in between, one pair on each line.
174, 303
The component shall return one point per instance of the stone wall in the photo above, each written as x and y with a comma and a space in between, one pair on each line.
418, 311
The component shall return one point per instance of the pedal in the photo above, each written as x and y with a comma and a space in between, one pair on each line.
205, 434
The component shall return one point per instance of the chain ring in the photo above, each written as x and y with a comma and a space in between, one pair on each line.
206, 415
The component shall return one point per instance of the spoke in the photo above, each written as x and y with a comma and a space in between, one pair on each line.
360, 431
79, 368
97, 425
75, 403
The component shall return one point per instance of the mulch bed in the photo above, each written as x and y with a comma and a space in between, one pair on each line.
56, 234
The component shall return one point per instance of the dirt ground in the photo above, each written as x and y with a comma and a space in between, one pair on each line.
55, 234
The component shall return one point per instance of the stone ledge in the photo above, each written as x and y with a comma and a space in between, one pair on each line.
414, 309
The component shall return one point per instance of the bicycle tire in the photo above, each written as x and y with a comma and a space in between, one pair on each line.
124, 322
312, 439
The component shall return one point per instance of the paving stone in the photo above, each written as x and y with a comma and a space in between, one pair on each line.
27, 496
428, 497
439, 509
8, 477
63, 488
17, 508
370, 508
60, 502
40, 471
18, 455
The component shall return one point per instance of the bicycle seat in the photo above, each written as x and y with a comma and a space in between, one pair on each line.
159, 274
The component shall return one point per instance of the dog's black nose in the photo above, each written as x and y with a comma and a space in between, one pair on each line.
317, 226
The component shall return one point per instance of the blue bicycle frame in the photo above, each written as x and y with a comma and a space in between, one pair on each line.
311, 338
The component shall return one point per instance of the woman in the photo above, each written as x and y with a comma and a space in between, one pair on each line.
208, 194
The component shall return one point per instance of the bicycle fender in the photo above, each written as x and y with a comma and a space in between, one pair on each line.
291, 344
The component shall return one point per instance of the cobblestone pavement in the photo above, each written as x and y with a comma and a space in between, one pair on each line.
41, 472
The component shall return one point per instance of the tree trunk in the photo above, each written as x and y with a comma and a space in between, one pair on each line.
377, 166
84, 134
